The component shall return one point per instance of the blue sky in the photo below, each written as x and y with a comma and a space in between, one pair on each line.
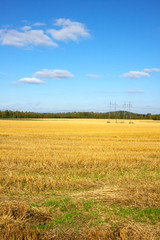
60, 55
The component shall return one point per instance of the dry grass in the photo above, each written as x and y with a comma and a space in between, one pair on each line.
109, 172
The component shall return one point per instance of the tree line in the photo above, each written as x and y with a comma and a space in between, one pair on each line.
7, 114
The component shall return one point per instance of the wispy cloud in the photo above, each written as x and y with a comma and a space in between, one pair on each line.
54, 74
151, 70
25, 38
31, 81
39, 24
25, 21
134, 91
15, 83
135, 74
92, 75
70, 30
26, 28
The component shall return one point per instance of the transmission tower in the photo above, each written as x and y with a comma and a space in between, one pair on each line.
109, 114
115, 111
130, 105
124, 112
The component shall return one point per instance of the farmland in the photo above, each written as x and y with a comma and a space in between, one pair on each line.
79, 179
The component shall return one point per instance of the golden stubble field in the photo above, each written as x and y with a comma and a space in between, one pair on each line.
79, 179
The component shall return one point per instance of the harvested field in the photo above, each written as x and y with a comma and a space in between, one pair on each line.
79, 179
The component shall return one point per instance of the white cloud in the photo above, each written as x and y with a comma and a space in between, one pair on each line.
26, 28
92, 75
70, 30
39, 24
151, 70
31, 81
64, 30
135, 91
64, 22
55, 74
25, 38
135, 74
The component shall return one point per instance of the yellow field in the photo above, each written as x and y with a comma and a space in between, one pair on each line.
79, 179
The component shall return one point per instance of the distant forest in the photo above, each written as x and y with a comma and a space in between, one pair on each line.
7, 114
